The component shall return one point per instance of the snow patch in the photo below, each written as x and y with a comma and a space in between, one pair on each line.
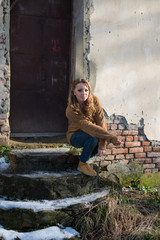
49, 233
3, 165
43, 174
45, 205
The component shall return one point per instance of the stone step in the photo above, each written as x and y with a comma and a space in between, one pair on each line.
48, 159
26, 215
43, 185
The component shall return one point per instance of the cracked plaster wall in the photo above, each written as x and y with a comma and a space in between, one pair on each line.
124, 60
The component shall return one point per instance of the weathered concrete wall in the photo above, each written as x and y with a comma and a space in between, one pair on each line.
77, 40
4, 71
80, 48
125, 57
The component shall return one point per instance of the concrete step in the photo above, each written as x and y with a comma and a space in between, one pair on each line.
48, 159
26, 215
43, 185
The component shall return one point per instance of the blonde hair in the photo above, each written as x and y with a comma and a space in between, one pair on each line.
87, 109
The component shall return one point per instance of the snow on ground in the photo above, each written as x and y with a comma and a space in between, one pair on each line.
61, 150
49, 233
3, 165
44, 174
44, 205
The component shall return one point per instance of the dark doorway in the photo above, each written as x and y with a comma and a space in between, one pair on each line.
40, 36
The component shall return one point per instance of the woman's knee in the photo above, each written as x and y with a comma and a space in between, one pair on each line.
93, 141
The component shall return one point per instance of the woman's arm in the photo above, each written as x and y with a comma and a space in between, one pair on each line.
101, 121
90, 128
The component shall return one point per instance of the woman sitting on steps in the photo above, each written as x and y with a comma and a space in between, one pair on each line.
87, 127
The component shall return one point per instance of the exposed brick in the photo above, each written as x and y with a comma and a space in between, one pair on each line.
136, 150
148, 160
146, 143
121, 126
129, 138
108, 151
119, 150
113, 126
147, 149
156, 149
149, 165
136, 138
115, 132
132, 144
140, 155
153, 154
156, 160
140, 160
109, 157
129, 156
130, 132
147, 171
2, 122
120, 156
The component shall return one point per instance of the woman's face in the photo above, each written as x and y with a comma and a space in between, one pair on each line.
81, 92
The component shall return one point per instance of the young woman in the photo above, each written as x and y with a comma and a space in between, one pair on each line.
87, 127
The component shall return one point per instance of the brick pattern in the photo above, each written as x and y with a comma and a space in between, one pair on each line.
135, 146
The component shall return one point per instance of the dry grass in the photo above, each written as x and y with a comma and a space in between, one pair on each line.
126, 217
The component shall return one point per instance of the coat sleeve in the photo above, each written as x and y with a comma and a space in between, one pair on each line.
90, 128
100, 121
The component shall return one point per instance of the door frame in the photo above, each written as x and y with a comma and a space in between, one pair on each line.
79, 49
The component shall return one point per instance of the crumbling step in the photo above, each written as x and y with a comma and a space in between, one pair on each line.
48, 159
46, 185
26, 215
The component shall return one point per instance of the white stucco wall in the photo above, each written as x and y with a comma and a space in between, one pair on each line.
125, 47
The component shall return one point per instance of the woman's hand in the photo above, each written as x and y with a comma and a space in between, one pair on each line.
118, 142
101, 153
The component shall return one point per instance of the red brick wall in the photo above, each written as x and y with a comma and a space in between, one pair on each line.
135, 145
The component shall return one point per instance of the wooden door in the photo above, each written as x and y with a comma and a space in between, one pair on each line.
40, 33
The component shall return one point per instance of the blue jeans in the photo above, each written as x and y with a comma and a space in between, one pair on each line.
81, 139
